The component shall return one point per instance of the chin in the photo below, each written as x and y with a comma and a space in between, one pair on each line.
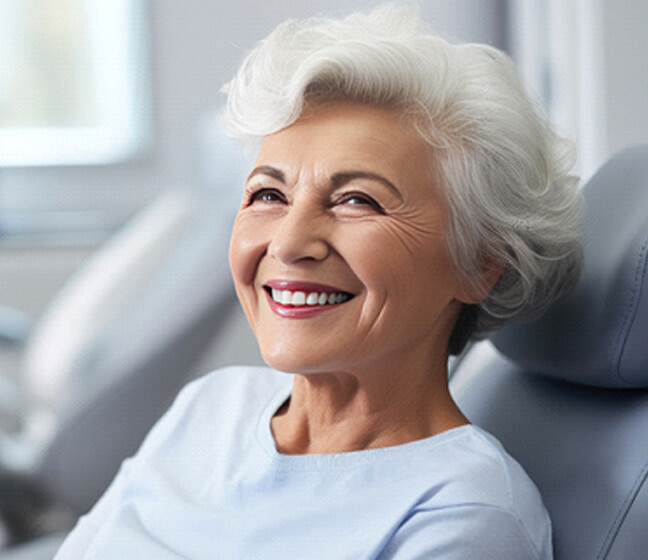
289, 362
288, 365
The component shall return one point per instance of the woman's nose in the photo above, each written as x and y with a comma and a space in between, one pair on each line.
299, 235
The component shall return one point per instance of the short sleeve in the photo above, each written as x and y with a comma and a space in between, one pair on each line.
468, 532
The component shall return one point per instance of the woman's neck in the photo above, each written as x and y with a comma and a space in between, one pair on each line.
335, 413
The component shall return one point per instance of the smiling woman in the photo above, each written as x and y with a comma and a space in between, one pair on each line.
406, 197
333, 195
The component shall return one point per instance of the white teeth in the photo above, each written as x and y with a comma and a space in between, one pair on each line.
298, 298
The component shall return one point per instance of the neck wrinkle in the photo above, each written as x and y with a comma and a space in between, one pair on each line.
337, 413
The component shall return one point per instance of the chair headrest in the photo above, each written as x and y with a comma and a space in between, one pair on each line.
598, 334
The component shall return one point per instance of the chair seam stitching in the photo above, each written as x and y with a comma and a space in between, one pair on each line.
622, 514
631, 313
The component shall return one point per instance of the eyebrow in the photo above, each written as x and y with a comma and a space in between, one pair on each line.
337, 180
269, 171
343, 177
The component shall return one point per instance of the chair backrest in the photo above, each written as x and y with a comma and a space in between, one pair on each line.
107, 284
119, 341
125, 333
567, 394
130, 375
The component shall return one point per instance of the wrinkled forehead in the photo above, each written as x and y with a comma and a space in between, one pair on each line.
368, 137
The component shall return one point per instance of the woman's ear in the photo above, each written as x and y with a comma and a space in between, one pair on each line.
474, 291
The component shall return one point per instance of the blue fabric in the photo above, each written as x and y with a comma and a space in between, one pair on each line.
209, 483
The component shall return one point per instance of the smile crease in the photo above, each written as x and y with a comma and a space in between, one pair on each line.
298, 297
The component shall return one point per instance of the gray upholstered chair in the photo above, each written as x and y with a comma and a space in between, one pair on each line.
567, 394
114, 347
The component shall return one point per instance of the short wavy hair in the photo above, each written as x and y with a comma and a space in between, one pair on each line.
504, 171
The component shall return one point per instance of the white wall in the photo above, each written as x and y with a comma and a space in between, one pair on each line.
587, 59
625, 64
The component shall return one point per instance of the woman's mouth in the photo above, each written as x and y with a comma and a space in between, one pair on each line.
303, 299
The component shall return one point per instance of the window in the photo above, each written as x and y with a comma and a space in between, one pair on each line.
558, 46
72, 81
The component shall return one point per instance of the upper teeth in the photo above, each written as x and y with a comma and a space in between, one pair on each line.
288, 297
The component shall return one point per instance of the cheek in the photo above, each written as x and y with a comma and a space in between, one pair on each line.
409, 264
247, 246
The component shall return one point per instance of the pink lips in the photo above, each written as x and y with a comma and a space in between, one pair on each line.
304, 311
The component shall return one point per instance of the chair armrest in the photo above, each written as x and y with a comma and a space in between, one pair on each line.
41, 548
27, 512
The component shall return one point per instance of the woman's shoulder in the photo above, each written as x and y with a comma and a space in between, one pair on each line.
207, 406
486, 470
485, 482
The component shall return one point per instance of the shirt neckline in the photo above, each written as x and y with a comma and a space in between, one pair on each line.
266, 441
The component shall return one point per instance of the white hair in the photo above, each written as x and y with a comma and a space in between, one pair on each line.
504, 171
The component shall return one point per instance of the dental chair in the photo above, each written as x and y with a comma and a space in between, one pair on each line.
114, 347
567, 394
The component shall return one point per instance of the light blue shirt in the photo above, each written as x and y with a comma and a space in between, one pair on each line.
208, 483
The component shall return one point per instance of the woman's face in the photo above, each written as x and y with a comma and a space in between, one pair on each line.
338, 252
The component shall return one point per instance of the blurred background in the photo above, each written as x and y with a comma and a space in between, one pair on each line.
117, 190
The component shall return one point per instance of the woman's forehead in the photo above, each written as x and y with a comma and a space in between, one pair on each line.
350, 136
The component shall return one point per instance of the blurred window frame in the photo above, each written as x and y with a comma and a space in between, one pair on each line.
100, 110
558, 47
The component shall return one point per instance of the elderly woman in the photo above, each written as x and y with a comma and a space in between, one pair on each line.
406, 197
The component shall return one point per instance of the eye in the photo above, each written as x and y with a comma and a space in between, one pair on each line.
266, 196
360, 199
